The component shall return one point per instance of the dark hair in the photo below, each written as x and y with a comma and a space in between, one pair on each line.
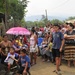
56, 24
66, 23
12, 48
48, 32
16, 37
24, 51
33, 30
4, 36
0, 46
71, 25
33, 27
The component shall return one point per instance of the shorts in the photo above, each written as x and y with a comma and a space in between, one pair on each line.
56, 53
20, 71
33, 49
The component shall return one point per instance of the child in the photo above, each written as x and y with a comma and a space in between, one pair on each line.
49, 52
24, 63
11, 57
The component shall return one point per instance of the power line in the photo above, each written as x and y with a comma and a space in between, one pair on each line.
61, 5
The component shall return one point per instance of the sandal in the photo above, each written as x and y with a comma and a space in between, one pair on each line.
57, 72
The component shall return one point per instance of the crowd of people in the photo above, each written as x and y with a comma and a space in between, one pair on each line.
51, 43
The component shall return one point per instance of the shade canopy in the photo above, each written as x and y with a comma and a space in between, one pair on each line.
18, 31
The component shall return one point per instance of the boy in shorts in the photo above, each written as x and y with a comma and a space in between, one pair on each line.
24, 63
58, 42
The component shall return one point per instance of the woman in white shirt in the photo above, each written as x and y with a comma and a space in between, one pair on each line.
33, 46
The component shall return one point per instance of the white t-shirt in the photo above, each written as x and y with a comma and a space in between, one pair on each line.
8, 59
39, 33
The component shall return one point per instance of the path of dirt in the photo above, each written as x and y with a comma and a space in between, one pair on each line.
46, 68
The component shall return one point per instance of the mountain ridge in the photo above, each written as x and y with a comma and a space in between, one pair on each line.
39, 17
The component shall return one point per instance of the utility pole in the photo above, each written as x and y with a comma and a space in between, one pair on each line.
46, 16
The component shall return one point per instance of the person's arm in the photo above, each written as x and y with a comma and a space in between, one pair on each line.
26, 66
69, 36
13, 58
3, 53
43, 43
7, 58
62, 44
17, 49
35, 38
10, 44
0, 50
48, 47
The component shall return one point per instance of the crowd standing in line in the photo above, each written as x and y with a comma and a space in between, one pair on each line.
52, 43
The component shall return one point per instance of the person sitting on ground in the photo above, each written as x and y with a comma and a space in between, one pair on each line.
11, 57
25, 46
49, 52
43, 48
44, 43
5, 45
17, 39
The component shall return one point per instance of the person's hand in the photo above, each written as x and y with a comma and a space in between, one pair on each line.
46, 48
0, 50
16, 60
60, 49
24, 72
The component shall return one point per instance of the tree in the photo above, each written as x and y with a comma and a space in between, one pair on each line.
2, 3
13, 8
18, 10
71, 18
30, 24
56, 21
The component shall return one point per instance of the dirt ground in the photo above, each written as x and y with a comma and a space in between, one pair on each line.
47, 68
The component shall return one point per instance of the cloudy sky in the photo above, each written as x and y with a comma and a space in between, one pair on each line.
53, 7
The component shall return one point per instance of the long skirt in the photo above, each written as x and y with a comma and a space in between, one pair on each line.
69, 52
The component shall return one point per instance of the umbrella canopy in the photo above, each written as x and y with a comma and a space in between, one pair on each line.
18, 31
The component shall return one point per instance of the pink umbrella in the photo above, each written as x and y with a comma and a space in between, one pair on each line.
18, 31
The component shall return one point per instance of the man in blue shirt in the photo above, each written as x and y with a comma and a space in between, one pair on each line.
58, 41
24, 63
